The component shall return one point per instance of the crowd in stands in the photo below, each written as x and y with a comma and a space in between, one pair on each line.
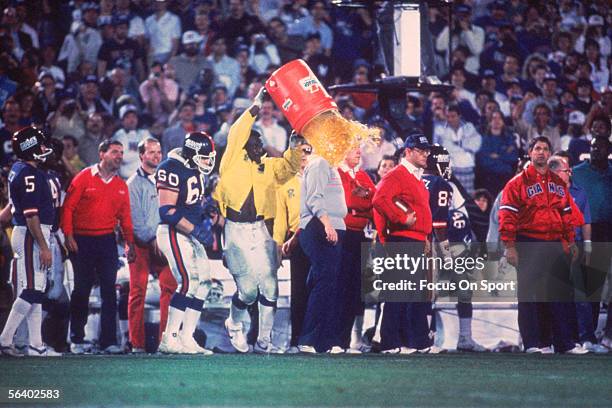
127, 70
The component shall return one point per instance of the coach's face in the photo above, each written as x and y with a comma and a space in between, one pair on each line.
418, 157
539, 154
113, 157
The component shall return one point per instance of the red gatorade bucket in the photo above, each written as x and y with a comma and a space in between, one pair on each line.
298, 93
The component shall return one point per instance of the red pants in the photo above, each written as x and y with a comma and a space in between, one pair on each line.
139, 274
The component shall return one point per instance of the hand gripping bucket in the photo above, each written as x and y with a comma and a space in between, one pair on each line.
298, 93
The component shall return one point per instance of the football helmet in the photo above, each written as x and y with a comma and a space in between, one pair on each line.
30, 144
438, 161
197, 147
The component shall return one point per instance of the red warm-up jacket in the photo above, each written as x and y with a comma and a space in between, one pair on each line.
400, 184
538, 206
359, 208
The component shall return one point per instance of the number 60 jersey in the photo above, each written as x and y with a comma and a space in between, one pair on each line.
30, 193
174, 175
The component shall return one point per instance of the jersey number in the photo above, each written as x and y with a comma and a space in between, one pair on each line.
54, 194
443, 199
171, 178
458, 223
29, 182
193, 190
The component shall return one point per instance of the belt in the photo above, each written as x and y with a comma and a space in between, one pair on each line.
236, 216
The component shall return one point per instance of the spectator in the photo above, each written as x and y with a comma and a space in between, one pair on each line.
121, 51
207, 34
70, 156
22, 41
8, 87
262, 53
540, 127
462, 141
489, 84
317, 60
89, 96
315, 23
149, 259
83, 43
584, 95
159, 93
497, 156
136, 29
575, 122
289, 46
173, 137
594, 31
88, 146
463, 33
67, 119
47, 64
129, 136
190, 62
163, 32
239, 24
358, 193
386, 164
47, 96
226, 69
88, 222
274, 137
11, 113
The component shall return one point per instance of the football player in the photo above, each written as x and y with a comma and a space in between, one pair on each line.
34, 214
246, 196
183, 232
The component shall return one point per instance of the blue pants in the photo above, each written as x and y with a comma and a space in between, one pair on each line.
96, 261
349, 284
322, 313
404, 324
542, 323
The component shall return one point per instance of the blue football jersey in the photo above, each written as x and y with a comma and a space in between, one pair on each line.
440, 199
459, 228
173, 175
30, 194
56, 195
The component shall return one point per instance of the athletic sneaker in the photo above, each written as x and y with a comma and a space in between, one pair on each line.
138, 350
432, 350
548, 350
170, 344
236, 335
407, 350
361, 347
468, 344
292, 350
594, 348
22, 348
275, 350
533, 350
335, 350
43, 351
607, 342
396, 350
307, 349
190, 346
113, 349
80, 348
577, 350
10, 351
261, 347
353, 351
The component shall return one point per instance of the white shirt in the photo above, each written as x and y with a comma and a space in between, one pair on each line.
130, 140
273, 136
162, 31
412, 169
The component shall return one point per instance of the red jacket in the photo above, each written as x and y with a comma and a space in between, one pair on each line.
537, 206
92, 207
359, 208
400, 184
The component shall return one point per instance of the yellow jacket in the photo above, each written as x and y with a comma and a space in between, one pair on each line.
239, 174
287, 209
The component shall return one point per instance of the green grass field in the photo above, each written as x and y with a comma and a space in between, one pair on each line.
372, 380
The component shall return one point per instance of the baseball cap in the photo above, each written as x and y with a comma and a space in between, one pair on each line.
125, 109
463, 8
549, 76
191, 37
596, 20
90, 79
576, 118
488, 73
90, 5
417, 140
121, 19
104, 21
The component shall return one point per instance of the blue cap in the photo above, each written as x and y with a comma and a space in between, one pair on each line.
463, 8
488, 73
417, 140
119, 19
90, 78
